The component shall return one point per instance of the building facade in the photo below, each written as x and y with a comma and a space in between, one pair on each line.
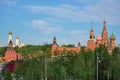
102, 39
11, 54
57, 50
92, 43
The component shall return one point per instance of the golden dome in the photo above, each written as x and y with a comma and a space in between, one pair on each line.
10, 33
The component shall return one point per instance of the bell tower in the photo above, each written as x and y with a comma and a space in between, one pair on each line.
91, 43
54, 46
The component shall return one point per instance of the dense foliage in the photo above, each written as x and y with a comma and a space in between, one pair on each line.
71, 66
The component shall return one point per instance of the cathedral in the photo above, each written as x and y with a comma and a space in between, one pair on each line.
11, 54
102, 39
92, 43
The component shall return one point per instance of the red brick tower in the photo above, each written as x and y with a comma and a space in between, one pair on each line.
54, 45
11, 54
104, 35
92, 33
78, 47
91, 44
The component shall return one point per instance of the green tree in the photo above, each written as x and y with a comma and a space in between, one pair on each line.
104, 61
2, 51
7, 75
17, 71
115, 64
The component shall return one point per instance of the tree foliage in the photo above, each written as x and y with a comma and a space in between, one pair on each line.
70, 65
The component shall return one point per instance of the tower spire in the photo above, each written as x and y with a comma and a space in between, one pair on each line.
54, 40
104, 25
92, 32
104, 34
10, 37
79, 44
92, 26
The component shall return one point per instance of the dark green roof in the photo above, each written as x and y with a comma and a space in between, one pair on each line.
112, 37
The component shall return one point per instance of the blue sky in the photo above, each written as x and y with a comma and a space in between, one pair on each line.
38, 21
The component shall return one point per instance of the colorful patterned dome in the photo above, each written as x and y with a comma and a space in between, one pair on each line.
112, 37
99, 37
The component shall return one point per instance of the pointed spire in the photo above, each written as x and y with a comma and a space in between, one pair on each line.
10, 44
92, 32
54, 40
104, 28
92, 26
104, 34
79, 44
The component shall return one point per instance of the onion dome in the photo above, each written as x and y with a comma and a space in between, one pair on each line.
112, 37
17, 37
99, 37
10, 33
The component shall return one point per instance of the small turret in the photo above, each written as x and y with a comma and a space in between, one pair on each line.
79, 44
112, 40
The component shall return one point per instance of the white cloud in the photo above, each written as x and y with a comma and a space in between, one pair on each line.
9, 2
76, 32
66, 12
106, 9
92, 11
44, 26
78, 36
102, 9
